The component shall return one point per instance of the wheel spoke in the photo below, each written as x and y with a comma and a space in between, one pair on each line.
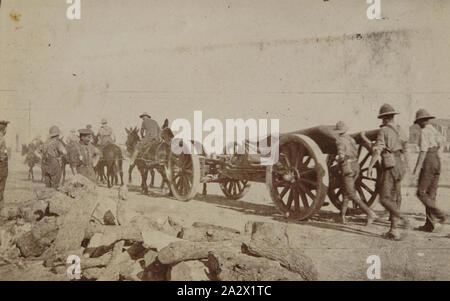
283, 192
290, 199
364, 160
368, 178
307, 191
296, 200
363, 185
304, 199
310, 182
307, 162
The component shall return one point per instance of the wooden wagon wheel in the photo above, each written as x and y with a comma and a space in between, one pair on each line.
234, 189
366, 187
298, 182
183, 173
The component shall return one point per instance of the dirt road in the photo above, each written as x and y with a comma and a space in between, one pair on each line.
339, 252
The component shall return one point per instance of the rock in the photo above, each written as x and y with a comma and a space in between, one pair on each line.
150, 257
137, 250
59, 204
207, 232
157, 240
155, 272
39, 208
106, 211
188, 271
270, 240
186, 250
45, 230
109, 219
10, 212
228, 266
29, 246
165, 224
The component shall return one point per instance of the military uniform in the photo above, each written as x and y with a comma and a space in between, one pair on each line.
88, 156
52, 151
347, 152
150, 132
429, 143
391, 139
3, 163
105, 135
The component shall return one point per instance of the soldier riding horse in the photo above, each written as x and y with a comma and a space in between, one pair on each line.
151, 156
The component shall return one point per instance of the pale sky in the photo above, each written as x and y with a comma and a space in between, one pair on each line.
293, 60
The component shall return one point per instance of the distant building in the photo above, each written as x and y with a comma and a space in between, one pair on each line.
442, 125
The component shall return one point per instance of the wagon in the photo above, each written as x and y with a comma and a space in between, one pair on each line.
305, 174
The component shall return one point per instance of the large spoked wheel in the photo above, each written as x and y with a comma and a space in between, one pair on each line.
234, 189
183, 173
366, 187
298, 182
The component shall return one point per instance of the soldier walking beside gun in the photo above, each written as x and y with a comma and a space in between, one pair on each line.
3, 160
391, 146
347, 156
429, 166
52, 151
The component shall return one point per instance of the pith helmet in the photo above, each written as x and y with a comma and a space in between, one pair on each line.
104, 121
423, 115
145, 114
387, 110
54, 131
341, 127
3, 124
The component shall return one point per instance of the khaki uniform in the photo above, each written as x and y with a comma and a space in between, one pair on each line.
429, 142
151, 132
3, 169
105, 136
87, 157
52, 151
347, 151
391, 138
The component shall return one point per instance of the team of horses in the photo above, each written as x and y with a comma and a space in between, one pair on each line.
148, 160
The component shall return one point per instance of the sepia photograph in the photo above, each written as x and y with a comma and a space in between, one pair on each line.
233, 141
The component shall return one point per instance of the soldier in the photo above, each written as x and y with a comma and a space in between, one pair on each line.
88, 155
150, 132
52, 151
73, 137
391, 146
105, 134
347, 156
429, 166
3, 160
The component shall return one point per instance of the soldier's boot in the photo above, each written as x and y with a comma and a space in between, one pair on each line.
371, 217
342, 218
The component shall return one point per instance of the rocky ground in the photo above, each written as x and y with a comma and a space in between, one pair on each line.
132, 236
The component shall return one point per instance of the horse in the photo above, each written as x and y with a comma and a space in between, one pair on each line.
31, 159
147, 161
112, 159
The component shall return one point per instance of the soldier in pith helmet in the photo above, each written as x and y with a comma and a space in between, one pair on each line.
428, 167
391, 147
52, 152
347, 156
